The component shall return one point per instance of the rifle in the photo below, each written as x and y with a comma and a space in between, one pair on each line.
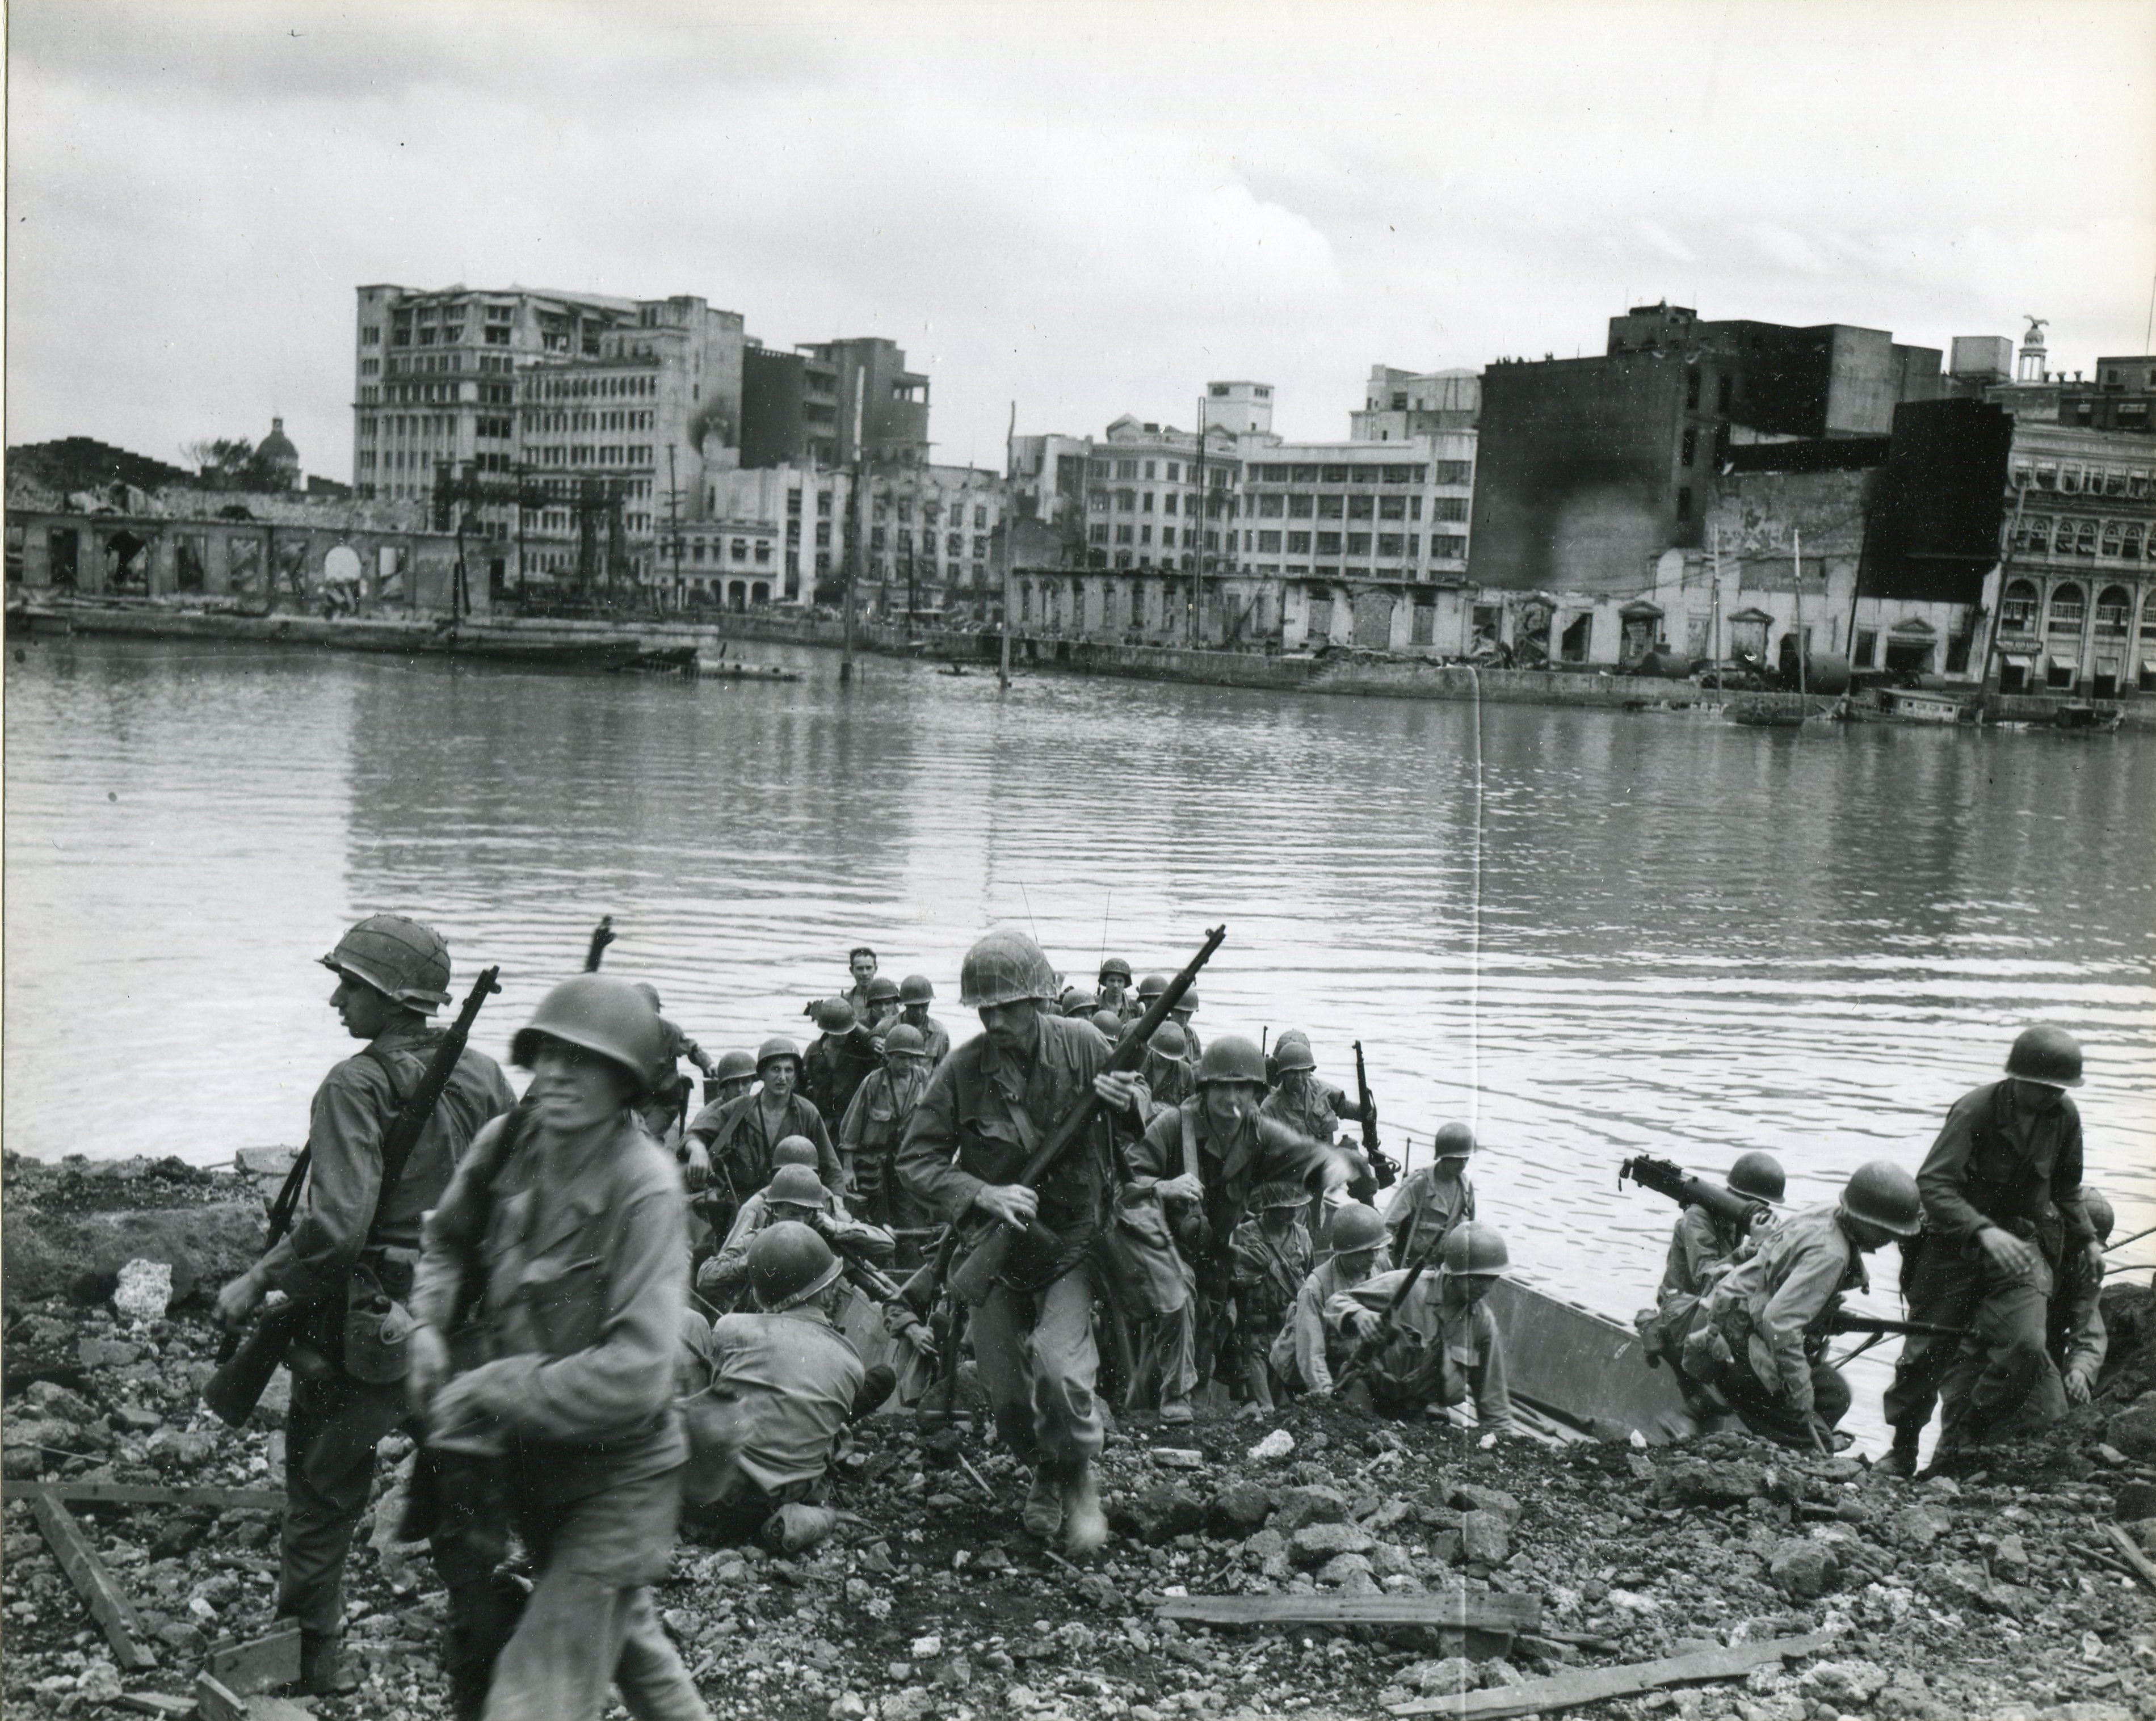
1382, 1168
972, 1279
1894, 1329
1366, 1350
1666, 1178
245, 1366
603, 935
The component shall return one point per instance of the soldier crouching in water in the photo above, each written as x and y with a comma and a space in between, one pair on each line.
987, 1107
564, 1234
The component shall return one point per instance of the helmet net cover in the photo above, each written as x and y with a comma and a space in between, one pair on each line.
1005, 967
403, 958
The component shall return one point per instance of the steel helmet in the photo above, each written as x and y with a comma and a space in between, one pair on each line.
1152, 987
835, 1016
777, 1045
1109, 1024
650, 994
1232, 1058
733, 1067
905, 1041
795, 1150
1474, 1251
1005, 967
1283, 1194
1170, 1041
399, 958
795, 1185
1757, 1174
1292, 1052
597, 1013
2042, 1053
1115, 968
1357, 1228
883, 990
1080, 1003
2099, 1213
916, 989
787, 1264
1187, 1004
1881, 1193
1453, 1141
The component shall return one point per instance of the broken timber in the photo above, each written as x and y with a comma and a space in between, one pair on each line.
1454, 1610
2134, 1557
128, 1494
216, 1701
263, 1664
108, 1602
1595, 1685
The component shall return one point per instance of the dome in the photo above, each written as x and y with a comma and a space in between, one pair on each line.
277, 447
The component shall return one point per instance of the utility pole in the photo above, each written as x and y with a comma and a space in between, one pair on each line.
1197, 582
1714, 603
858, 561
674, 522
1796, 560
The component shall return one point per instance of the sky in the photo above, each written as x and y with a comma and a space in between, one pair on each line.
1076, 210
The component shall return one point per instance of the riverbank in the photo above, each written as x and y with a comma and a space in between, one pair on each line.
1346, 673
1998, 1597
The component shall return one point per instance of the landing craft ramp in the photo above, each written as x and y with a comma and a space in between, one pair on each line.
1583, 1368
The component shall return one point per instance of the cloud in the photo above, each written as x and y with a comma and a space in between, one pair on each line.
1662, 241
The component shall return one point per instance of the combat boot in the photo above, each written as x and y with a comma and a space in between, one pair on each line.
1085, 1525
1900, 1459
1043, 1515
1175, 1408
322, 1665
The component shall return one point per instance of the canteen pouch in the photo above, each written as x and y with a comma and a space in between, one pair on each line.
378, 1331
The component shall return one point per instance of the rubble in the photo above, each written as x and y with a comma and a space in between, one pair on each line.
1996, 1596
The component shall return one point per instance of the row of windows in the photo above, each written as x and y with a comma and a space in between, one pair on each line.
2121, 538
565, 388
932, 511
2068, 609
1143, 535
591, 454
2075, 479
1217, 473
538, 424
955, 544
1449, 472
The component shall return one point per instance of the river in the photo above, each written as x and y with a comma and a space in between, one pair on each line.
1589, 932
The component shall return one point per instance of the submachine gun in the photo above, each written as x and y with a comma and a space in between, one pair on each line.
1385, 1170
972, 1279
1665, 1177
246, 1363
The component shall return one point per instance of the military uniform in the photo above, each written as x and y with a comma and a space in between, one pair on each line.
1433, 1354
1424, 1212
834, 1068
741, 1141
1992, 1165
724, 1274
1760, 1336
935, 1036
1308, 1351
1700, 1244
580, 1241
984, 1112
868, 1136
346, 1220
1268, 1274
1308, 1106
792, 1380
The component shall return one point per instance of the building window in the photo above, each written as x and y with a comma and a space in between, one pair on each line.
1126, 535
2112, 608
1684, 502
1099, 534
1328, 543
1145, 503
1722, 390
1358, 543
1448, 507
1692, 388
1331, 507
1298, 543
1689, 450
1455, 472
1391, 546
2067, 607
2017, 610
1269, 541
1393, 508
1446, 547
1301, 507
1271, 507
1363, 507
1127, 469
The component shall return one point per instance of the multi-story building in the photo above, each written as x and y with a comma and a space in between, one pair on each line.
806, 404
1399, 404
591, 408
932, 535
1589, 469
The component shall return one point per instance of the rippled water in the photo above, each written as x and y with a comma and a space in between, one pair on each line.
1673, 934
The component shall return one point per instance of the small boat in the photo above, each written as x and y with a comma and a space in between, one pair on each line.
2078, 719
663, 660
1764, 713
1899, 705
725, 669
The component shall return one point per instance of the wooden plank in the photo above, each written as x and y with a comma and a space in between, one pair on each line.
1453, 1609
131, 1494
215, 1702
2135, 1558
1595, 1685
108, 1602
261, 1664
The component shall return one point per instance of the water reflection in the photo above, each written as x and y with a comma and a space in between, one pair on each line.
1688, 937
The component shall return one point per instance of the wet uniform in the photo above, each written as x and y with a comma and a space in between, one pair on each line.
1433, 1354
344, 1220
581, 1242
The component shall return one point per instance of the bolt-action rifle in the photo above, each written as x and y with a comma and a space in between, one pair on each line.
972, 1279
1665, 1177
1894, 1329
603, 935
1385, 1170
244, 1366
1373, 1345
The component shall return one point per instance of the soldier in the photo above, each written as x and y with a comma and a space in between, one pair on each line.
1273, 1256
1307, 1105
1150, 988
2075, 1335
1186, 1006
2002, 1212
1170, 1072
1111, 1024
741, 1132
915, 995
1114, 985
392, 973
1204, 1157
794, 1194
791, 1381
1755, 1344
735, 1073
874, 1125
861, 964
1442, 1343
883, 1005
1701, 1243
986, 1106
837, 1063
1307, 1350
564, 1232
1433, 1199
666, 1111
